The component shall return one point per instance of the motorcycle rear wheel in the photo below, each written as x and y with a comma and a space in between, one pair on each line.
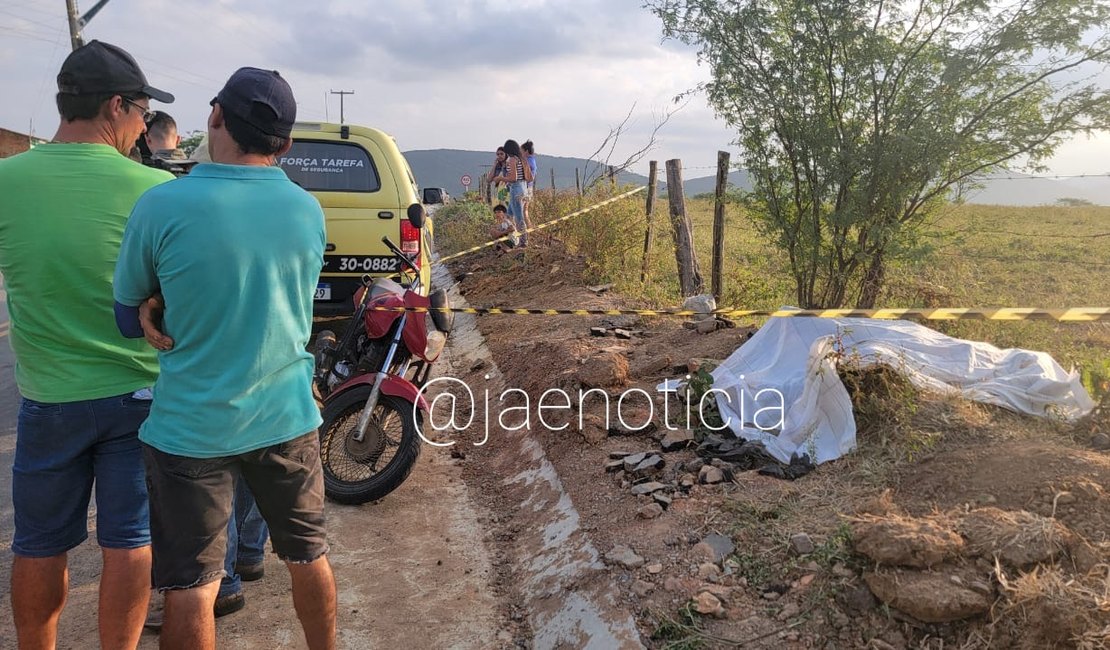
354, 472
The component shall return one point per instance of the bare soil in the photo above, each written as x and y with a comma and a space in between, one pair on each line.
919, 456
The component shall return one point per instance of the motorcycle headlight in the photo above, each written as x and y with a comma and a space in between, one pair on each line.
436, 342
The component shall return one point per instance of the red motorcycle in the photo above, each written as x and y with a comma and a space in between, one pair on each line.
370, 382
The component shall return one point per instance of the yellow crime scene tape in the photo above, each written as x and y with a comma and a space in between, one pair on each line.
1067, 315
1070, 315
546, 224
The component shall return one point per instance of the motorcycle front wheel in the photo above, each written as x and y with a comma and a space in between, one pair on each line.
360, 471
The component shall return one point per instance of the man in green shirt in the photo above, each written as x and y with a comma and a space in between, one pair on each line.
63, 208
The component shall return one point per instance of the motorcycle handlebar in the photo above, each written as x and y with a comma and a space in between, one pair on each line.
398, 252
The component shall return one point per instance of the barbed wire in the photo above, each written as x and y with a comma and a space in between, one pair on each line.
984, 178
1020, 259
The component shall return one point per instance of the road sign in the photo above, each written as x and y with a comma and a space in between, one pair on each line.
465, 180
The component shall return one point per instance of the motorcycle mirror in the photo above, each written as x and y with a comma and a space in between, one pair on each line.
416, 215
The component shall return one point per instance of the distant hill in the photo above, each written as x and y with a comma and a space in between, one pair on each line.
708, 184
1022, 190
444, 168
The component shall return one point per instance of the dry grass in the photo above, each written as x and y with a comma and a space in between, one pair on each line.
1045, 607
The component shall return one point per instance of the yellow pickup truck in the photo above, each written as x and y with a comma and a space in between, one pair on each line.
365, 186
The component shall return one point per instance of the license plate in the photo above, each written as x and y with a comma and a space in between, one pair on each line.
323, 291
361, 264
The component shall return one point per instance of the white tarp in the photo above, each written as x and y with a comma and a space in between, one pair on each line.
796, 357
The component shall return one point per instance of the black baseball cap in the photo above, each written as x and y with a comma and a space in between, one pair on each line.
262, 99
99, 67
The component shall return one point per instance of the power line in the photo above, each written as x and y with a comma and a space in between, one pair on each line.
34, 8
53, 28
28, 35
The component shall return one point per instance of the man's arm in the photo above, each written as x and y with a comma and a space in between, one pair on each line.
127, 320
138, 303
144, 321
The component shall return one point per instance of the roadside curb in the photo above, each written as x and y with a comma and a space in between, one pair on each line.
567, 591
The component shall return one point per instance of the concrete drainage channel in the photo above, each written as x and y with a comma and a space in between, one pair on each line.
565, 589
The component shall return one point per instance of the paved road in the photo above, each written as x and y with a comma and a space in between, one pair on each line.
412, 568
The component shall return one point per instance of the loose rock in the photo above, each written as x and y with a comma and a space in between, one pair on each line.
642, 588
649, 466
1100, 442
679, 439
614, 465
632, 460
801, 543
722, 592
651, 366
708, 605
650, 511
662, 499
709, 475
905, 541
703, 304
625, 557
708, 571
655, 569
928, 597
647, 488
606, 370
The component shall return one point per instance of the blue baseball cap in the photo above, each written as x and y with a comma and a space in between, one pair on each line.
260, 98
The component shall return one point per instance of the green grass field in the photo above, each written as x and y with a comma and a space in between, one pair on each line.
973, 256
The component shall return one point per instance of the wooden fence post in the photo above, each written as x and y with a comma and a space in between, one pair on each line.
653, 174
612, 178
552, 182
487, 190
719, 223
577, 182
689, 276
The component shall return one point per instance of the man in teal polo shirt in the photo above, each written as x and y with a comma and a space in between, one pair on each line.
63, 207
235, 249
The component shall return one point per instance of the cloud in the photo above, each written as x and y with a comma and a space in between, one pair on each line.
463, 74
434, 38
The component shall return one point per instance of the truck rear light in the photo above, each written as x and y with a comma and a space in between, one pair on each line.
410, 241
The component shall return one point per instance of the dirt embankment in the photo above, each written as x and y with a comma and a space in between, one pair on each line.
953, 523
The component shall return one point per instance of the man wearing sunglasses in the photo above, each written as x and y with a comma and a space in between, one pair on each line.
63, 208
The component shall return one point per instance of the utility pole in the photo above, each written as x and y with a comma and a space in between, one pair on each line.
341, 93
77, 23
74, 24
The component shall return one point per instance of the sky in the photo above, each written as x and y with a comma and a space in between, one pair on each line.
464, 74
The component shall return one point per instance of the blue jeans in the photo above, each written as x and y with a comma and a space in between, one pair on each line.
516, 208
246, 538
63, 452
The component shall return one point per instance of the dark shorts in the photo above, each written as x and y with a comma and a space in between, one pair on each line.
62, 453
191, 500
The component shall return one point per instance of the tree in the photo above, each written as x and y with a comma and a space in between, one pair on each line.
600, 164
858, 118
189, 143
